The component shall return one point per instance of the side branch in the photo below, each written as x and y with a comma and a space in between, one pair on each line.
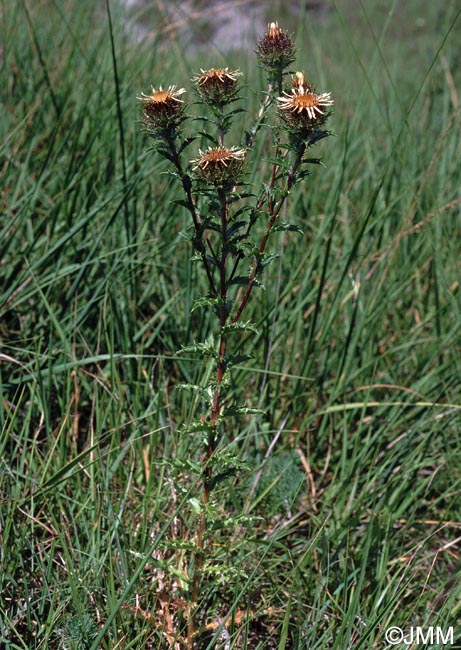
274, 211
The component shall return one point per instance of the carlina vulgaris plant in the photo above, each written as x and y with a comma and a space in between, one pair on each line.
231, 228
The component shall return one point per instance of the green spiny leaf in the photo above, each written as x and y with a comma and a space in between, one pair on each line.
241, 326
287, 226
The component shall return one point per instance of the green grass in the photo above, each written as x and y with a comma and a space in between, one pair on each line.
353, 471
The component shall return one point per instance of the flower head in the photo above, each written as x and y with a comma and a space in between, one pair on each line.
302, 106
217, 86
275, 50
163, 108
220, 166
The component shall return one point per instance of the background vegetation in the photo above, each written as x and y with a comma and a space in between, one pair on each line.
353, 472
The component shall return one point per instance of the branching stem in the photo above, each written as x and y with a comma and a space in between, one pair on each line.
214, 423
274, 210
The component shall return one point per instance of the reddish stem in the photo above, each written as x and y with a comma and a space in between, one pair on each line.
274, 210
213, 433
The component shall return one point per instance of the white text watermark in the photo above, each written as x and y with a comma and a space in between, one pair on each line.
419, 635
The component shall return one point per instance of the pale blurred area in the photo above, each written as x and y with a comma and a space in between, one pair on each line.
224, 25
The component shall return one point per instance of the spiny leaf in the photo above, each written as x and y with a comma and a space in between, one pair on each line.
206, 301
186, 143
240, 280
204, 394
282, 163
265, 260
235, 359
219, 478
287, 226
207, 349
235, 227
233, 411
225, 459
241, 326
198, 426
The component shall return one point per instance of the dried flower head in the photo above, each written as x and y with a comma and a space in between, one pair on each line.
163, 108
220, 166
217, 86
275, 50
302, 106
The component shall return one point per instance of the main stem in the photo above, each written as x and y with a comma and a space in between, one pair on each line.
214, 421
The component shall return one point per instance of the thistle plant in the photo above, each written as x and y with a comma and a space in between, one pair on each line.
231, 226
